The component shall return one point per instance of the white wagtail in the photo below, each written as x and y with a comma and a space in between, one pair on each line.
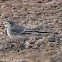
17, 32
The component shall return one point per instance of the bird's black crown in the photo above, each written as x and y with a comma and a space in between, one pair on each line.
11, 22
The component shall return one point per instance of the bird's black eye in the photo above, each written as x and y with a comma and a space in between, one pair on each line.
10, 23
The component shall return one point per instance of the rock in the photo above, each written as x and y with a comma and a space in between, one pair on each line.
52, 39
27, 43
52, 45
35, 47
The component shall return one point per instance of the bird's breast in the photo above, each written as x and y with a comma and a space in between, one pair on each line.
9, 33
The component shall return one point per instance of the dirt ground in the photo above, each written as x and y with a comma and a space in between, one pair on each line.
40, 15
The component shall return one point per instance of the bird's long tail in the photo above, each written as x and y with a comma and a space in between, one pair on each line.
36, 32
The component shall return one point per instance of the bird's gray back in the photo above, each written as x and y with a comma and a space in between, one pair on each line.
17, 29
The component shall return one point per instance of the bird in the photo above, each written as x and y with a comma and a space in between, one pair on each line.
18, 32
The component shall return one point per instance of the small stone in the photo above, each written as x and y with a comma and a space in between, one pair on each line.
35, 47
52, 45
27, 44
51, 39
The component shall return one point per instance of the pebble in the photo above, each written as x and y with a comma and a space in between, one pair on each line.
52, 45
52, 39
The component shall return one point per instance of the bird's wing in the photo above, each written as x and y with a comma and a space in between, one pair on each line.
17, 29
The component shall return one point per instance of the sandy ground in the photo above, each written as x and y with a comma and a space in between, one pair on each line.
41, 15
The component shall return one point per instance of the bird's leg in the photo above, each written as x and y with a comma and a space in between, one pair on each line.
20, 45
17, 41
17, 45
24, 41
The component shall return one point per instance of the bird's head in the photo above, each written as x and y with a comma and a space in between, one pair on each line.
8, 23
